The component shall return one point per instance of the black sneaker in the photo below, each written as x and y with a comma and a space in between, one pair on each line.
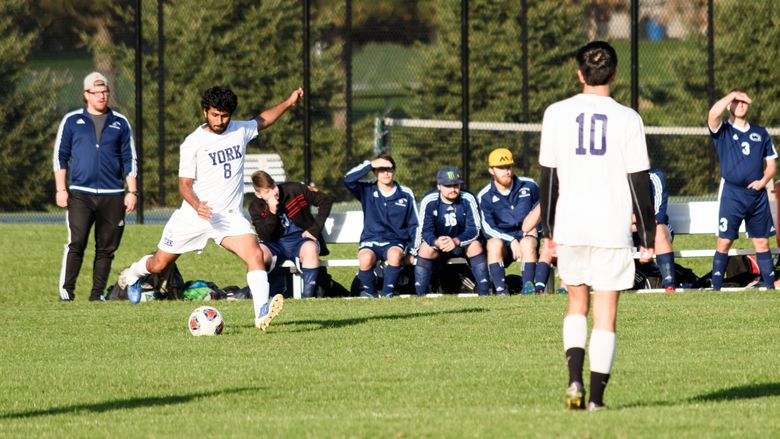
67, 297
97, 298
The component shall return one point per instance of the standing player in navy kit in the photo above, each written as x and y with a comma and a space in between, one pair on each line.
389, 221
747, 165
509, 208
211, 169
593, 153
449, 225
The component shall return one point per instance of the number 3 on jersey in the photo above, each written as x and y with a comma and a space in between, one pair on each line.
595, 119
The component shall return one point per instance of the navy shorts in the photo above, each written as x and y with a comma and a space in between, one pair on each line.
287, 249
738, 204
380, 251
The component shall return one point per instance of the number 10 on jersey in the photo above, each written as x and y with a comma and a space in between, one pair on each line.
595, 149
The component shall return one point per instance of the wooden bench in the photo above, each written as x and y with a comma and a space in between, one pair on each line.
270, 163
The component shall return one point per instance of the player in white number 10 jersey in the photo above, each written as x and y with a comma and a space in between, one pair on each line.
594, 176
211, 172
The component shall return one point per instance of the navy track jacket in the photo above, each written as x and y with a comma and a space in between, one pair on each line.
95, 168
390, 219
459, 219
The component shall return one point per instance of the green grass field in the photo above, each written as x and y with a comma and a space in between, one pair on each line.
688, 365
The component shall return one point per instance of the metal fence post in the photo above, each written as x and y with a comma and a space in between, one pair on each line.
139, 125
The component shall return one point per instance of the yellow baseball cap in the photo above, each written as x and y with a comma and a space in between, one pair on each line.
500, 157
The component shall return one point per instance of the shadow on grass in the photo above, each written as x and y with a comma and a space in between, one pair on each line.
740, 392
123, 404
729, 394
340, 323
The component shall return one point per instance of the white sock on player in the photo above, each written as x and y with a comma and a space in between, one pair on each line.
575, 331
258, 285
602, 351
137, 270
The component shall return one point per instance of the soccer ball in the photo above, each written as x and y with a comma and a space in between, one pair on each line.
205, 320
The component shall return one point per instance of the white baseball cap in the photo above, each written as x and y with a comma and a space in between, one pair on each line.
93, 79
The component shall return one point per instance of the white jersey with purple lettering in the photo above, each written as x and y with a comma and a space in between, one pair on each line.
594, 143
216, 164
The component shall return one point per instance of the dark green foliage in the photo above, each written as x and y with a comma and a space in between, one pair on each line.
30, 118
255, 49
495, 89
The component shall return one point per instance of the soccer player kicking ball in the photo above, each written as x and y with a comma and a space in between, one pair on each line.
594, 176
211, 182
747, 165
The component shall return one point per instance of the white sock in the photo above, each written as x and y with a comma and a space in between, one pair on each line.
575, 331
137, 270
258, 285
602, 351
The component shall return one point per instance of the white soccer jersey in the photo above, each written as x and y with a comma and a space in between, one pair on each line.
216, 163
594, 142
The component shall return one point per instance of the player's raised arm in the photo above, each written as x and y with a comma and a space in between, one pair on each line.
269, 116
713, 117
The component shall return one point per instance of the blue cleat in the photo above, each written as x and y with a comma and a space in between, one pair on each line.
269, 312
529, 288
134, 292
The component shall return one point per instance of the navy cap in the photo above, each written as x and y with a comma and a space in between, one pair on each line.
448, 176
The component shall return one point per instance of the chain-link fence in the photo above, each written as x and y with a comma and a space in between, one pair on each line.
474, 60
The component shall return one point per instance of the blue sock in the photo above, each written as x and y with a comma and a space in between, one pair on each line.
497, 276
391, 277
719, 262
666, 267
479, 270
309, 276
529, 268
423, 270
541, 275
367, 278
767, 269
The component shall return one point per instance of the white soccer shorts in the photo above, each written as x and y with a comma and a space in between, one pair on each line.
185, 231
604, 269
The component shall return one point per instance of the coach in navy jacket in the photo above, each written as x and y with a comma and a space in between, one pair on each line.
389, 221
94, 149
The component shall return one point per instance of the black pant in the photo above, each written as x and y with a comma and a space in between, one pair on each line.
107, 213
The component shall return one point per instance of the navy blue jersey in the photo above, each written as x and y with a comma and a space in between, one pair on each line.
660, 195
742, 153
386, 219
502, 215
438, 217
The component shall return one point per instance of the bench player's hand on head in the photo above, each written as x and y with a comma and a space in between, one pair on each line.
204, 210
742, 96
381, 163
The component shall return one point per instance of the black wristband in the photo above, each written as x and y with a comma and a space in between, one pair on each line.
133, 192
